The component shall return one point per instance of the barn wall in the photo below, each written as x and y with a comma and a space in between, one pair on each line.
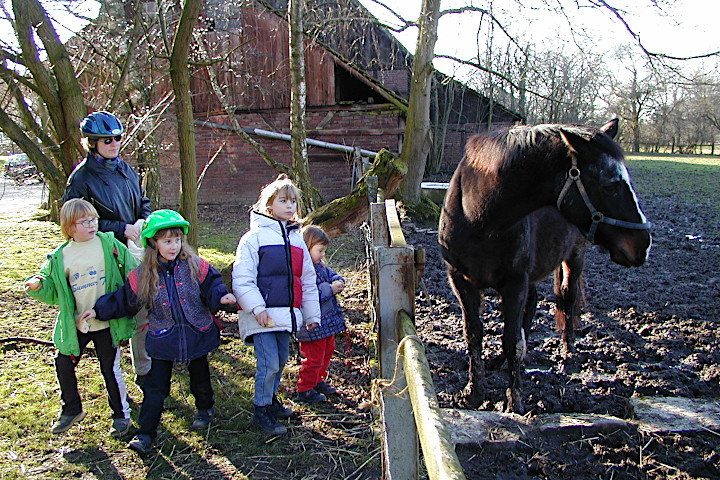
237, 174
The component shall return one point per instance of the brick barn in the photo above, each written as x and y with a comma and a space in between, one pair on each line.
357, 79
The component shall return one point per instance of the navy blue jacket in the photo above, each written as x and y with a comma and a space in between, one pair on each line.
171, 335
333, 320
117, 194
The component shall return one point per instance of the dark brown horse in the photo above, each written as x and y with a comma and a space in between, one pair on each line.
521, 204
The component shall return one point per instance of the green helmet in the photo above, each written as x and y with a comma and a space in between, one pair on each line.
161, 219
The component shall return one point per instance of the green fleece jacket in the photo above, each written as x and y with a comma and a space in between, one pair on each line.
55, 290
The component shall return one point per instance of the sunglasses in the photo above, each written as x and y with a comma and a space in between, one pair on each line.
109, 140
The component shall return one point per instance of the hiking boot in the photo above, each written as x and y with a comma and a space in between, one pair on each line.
141, 444
324, 388
203, 419
120, 427
64, 423
311, 396
278, 410
266, 422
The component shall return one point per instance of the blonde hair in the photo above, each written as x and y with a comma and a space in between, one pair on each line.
315, 235
72, 211
282, 185
148, 278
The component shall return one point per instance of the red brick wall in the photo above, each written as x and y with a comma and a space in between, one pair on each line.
238, 173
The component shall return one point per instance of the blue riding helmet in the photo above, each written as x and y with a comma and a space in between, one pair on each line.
101, 124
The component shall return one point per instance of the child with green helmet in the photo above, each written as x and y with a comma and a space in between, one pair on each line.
181, 292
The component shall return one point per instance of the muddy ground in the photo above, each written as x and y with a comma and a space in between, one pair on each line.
646, 331
650, 331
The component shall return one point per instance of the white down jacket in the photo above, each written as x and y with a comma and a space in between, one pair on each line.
273, 271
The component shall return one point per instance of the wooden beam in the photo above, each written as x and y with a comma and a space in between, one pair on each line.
438, 449
397, 238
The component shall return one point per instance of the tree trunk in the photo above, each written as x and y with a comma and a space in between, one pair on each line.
342, 214
298, 99
180, 78
59, 93
417, 142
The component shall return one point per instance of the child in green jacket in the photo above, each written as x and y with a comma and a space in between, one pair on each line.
85, 267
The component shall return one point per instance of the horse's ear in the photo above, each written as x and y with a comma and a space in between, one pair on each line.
610, 128
571, 140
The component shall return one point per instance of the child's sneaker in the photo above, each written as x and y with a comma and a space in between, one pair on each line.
278, 410
324, 388
203, 419
141, 443
64, 423
120, 427
311, 396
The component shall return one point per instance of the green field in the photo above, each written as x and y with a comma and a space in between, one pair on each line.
694, 177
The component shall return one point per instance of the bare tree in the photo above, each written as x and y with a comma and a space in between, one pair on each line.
180, 76
30, 80
298, 100
417, 141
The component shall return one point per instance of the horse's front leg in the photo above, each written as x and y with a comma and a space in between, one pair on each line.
471, 300
514, 300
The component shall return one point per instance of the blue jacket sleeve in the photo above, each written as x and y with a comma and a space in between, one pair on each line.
121, 303
212, 289
324, 288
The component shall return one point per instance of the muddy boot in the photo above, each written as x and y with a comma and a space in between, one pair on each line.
279, 411
266, 421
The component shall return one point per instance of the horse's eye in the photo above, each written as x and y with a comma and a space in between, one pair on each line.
612, 188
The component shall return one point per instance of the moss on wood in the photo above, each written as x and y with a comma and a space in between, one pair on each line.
342, 214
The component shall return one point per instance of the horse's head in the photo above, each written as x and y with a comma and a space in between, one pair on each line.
598, 197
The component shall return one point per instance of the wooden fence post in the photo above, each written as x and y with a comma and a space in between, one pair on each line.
393, 275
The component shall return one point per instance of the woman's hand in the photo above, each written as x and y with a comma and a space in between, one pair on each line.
310, 326
132, 232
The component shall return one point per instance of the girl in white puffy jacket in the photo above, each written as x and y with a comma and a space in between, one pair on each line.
273, 280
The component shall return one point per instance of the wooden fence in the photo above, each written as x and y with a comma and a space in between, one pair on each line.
408, 405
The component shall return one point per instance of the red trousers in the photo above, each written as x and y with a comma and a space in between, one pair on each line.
316, 358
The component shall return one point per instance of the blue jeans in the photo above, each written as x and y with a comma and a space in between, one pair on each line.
272, 350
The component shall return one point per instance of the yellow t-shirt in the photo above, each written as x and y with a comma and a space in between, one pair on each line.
85, 270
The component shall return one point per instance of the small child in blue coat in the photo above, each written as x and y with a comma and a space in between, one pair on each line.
317, 346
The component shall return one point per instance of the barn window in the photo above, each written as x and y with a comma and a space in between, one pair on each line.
349, 88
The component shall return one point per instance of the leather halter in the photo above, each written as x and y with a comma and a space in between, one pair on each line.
573, 177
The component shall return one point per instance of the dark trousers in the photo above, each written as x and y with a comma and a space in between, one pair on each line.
109, 359
156, 388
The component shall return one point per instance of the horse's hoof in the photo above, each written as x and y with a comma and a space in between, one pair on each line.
470, 399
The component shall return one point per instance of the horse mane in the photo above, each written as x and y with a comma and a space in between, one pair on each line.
494, 151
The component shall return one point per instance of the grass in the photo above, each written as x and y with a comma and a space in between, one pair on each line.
326, 443
320, 443
677, 176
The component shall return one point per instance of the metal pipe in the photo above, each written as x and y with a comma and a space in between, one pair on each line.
286, 137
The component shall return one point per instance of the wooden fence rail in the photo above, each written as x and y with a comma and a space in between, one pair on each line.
408, 404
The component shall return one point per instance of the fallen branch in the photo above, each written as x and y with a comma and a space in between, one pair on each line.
342, 214
26, 340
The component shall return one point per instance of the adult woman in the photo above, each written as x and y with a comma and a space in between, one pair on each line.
114, 189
